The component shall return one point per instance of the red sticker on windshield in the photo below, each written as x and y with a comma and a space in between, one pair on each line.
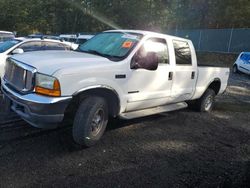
127, 44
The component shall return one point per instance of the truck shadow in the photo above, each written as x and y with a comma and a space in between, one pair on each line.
162, 150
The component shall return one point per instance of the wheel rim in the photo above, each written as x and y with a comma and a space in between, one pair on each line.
208, 103
97, 122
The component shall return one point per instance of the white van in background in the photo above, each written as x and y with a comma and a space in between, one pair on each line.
76, 38
242, 64
83, 38
71, 39
68, 37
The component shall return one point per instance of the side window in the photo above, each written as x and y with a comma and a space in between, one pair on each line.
245, 58
157, 45
31, 46
81, 41
72, 40
182, 53
53, 46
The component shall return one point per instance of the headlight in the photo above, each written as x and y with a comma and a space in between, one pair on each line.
47, 85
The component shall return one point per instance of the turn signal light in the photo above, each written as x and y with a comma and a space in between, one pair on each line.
55, 92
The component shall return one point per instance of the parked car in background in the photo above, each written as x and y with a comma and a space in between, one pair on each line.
75, 39
6, 35
21, 45
36, 35
73, 45
44, 36
69, 37
83, 38
242, 64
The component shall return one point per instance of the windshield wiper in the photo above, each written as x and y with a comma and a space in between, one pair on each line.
95, 52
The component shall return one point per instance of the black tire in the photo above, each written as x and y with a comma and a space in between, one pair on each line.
235, 69
206, 102
90, 121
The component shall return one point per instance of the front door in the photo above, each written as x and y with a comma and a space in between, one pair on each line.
147, 88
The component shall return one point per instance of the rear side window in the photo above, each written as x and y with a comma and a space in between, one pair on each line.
81, 41
72, 40
54, 46
31, 46
182, 53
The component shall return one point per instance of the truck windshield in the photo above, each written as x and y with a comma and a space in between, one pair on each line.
8, 44
112, 45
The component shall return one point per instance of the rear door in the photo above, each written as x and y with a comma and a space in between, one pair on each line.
185, 73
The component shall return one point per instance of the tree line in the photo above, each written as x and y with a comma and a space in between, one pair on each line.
71, 16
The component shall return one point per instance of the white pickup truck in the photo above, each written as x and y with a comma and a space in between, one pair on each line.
124, 73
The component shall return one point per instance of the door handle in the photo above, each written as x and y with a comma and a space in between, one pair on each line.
192, 75
170, 76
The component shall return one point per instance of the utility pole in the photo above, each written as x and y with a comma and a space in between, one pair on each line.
230, 40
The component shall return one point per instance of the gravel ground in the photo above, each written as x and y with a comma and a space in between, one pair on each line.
177, 149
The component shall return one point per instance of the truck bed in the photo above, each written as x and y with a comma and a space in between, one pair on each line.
207, 74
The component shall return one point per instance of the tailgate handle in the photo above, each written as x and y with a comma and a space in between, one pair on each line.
170, 76
193, 75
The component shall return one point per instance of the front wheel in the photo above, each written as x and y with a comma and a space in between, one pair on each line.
90, 121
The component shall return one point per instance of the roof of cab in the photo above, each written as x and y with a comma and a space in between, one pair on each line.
148, 33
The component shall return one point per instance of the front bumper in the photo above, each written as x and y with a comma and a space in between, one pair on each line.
39, 111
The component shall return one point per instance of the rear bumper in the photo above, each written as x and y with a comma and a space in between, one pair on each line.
39, 111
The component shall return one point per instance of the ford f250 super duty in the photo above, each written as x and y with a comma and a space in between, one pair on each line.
124, 73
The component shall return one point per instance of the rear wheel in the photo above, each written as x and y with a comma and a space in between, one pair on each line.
235, 69
90, 121
206, 102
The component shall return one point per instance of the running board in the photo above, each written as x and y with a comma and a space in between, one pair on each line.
152, 111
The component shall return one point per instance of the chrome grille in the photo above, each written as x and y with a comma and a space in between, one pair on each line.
18, 75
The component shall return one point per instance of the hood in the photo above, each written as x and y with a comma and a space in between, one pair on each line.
48, 62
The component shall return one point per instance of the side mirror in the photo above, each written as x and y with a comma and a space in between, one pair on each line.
148, 62
18, 51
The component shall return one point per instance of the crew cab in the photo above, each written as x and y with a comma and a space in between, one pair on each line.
118, 73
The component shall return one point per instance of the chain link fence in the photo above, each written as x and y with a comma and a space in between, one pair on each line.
217, 40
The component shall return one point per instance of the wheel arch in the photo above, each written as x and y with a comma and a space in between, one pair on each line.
108, 93
215, 85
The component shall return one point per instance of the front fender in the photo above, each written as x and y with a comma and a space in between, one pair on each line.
72, 88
